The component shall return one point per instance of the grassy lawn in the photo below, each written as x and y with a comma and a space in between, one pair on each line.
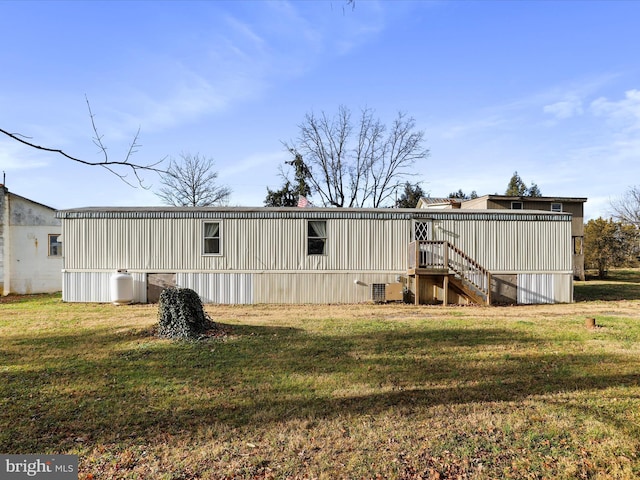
358, 391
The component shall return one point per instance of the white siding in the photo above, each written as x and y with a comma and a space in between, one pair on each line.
96, 287
225, 288
511, 245
317, 288
545, 288
264, 260
247, 244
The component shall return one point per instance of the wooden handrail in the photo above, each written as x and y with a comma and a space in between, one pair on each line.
437, 254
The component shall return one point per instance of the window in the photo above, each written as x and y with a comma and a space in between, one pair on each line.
211, 236
422, 230
556, 207
516, 205
578, 245
316, 237
55, 245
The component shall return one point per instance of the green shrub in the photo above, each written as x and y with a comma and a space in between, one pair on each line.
181, 315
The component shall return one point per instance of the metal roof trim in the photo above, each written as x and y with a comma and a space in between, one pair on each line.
137, 213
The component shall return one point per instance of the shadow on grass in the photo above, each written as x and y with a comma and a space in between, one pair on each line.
619, 285
102, 387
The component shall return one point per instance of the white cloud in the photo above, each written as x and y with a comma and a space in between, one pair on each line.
251, 163
15, 156
567, 108
624, 113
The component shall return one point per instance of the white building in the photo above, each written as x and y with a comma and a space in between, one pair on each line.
30, 248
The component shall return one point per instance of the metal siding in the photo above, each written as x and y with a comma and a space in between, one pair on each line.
264, 256
539, 288
224, 288
563, 291
247, 244
511, 245
96, 287
318, 288
368, 245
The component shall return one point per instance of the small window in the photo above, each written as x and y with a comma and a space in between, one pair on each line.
516, 205
211, 237
578, 245
556, 207
316, 237
55, 245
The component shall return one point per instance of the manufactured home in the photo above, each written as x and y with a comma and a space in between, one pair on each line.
30, 247
241, 255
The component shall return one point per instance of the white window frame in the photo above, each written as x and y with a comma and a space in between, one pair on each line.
558, 208
58, 244
517, 208
204, 239
323, 238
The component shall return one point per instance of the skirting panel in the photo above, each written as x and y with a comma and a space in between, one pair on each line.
319, 288
95, 287
536, 288
225, 288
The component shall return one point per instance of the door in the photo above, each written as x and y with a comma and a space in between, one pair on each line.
156, 283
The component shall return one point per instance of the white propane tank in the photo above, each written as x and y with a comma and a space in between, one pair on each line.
121, 288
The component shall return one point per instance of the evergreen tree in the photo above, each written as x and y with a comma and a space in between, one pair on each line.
290, 192
411, 194
517, 188
534, 191
463, 196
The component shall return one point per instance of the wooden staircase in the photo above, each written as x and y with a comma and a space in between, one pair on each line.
446, 263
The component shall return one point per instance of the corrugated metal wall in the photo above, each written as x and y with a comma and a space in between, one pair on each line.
317, 287
545, 288
264, 258
511, 245
95, 287
247, 244
225, 288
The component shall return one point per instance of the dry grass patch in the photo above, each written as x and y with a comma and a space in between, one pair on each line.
357, 391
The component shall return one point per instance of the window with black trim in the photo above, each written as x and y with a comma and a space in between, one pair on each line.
211, 238
55, 245
316, 237
516, 205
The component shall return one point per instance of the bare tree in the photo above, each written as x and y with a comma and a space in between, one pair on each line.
361, 166
192, 183
116, 167
627, 208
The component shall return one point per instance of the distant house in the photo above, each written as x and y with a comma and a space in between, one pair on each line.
30, 248
241, 255
572, 205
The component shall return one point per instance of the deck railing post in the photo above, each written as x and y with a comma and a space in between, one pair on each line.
445, 254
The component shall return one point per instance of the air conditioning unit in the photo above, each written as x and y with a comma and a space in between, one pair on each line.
386, 292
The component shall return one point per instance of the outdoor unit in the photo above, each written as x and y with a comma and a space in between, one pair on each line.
386, 292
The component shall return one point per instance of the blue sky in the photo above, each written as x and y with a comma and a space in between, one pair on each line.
550, 89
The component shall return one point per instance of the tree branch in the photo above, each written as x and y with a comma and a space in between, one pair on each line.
106, 163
